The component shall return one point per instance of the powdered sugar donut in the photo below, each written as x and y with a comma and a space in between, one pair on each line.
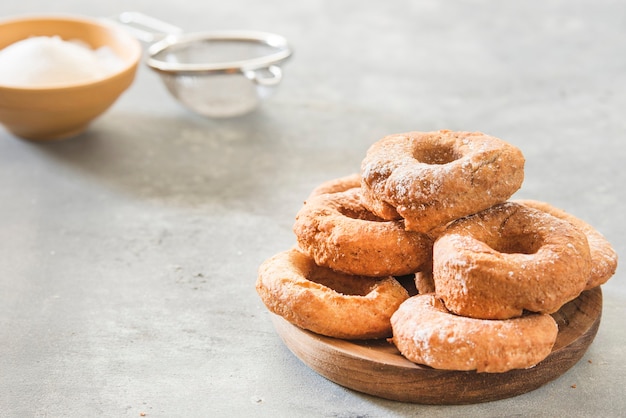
603, 256
425, 332
432, 178
338, 232
507, 259
424, 282
327, 302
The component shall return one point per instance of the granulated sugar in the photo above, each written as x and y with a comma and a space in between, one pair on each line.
43, 61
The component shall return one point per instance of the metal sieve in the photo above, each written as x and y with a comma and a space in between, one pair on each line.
217, 73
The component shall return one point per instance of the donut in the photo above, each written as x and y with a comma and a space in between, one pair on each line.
499, 262
340, 184
338, 232
327, 302
424, 282
425, 332
603, 256
432, 178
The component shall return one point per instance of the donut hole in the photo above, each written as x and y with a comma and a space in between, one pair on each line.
436, 154
525, 243
343, 283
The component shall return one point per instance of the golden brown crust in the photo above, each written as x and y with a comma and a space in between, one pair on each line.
432, 178
426, 333
507, 259
340, 184
326, 302
603, 256
338, 232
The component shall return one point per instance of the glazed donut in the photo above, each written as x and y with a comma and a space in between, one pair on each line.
432, 178
338, 232
507, 259
326, 302
340, 184
425, 332
603, 256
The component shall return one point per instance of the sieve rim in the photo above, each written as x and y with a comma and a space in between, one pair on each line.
278, 42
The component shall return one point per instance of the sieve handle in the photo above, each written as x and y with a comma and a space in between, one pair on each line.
269, 76
146, 28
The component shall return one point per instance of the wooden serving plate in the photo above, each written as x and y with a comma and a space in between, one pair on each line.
377, 368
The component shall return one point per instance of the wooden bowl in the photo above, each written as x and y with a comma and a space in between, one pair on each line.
43, 113
377, 368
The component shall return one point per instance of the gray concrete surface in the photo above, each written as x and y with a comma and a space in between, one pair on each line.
128, 255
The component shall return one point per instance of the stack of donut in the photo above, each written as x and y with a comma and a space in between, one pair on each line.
485, 271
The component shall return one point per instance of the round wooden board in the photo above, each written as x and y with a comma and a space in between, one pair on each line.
377, 368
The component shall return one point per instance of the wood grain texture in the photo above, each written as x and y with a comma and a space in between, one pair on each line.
377, 368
